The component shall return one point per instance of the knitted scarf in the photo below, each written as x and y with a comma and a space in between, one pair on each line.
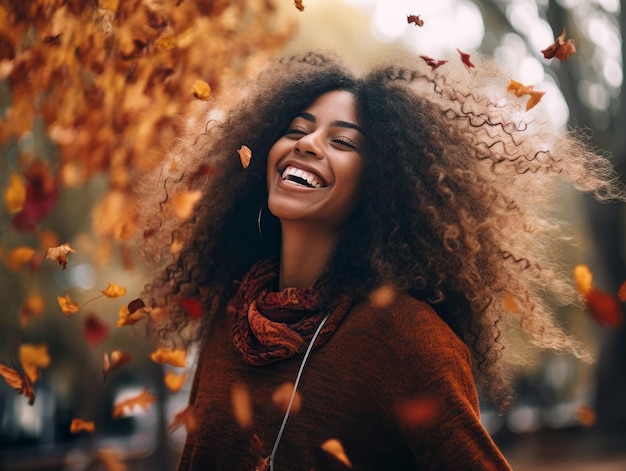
269, 325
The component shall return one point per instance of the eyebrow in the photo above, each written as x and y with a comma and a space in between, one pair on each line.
343, 124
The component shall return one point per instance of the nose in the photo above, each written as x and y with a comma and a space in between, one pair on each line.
309, 145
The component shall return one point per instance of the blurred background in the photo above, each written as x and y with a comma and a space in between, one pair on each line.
91, 95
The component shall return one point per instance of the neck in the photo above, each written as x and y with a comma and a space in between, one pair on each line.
305, 251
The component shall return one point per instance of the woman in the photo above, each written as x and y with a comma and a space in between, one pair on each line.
389, 231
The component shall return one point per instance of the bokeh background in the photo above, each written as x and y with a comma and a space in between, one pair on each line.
92, 94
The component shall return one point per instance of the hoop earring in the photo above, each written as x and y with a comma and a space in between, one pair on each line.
258, 220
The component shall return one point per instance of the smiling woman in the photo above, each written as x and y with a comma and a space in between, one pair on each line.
359, 278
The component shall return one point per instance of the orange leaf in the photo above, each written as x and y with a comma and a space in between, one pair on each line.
245, 155
111, 459
117, 359
621, 294
586, 415
561, 49
60, 254
32, 357
185, 201
299, 5
15, 194
126, 318
186, 418
173, 381
33, 306
433, 63
510, 304
170, 356
520, 89
114, 291
79, 425
201, 90
242, 405
583, 278
335, 448
94, 330
282, 396
383, 296
605, 308
20, 382
144, 399
67, 306
415, 19
535, 97
465, 58
18, 257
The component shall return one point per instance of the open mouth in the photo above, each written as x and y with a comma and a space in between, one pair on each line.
301, 177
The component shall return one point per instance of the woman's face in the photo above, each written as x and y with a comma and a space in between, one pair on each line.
314, 169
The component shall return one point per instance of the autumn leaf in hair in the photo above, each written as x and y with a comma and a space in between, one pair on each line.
561, 49
520, 89
415, 19
433, 63
201, 90
299, 5
465, 58
245, 155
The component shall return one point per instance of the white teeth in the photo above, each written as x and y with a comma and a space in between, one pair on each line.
311, 179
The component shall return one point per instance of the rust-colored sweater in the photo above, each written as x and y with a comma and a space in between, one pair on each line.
351, 390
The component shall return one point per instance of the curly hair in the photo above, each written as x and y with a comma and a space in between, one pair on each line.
457, 203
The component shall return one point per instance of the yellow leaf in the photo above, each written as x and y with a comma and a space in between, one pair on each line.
18, 257
33, 306
78, 425
174, 382
114, 291
185, 201
335, 448
15, 194
201, 90
242, 405
170, 356
584, 279
126, 318
32, 357
67, 306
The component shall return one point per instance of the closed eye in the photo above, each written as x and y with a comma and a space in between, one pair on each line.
295, 132
344, 141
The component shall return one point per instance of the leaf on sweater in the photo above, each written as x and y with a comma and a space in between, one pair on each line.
335, 448
170, 356
242, 405
282, 396
143, 400
80, 425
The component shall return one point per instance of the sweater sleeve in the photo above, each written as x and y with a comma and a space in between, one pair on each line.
431, 399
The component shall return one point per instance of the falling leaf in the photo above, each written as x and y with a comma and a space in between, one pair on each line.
282, 396
417, 411
32, 357
111, 460
415, 19
186, 418
586, 415
19, 256
520, 89
32, 307
621, 293
433, 63
20, 382
245, 155
41, 196
170, 356
114, 291
94, 330
173, 381
135, 305
117, 359
185, 201
67, 306
605, 308
242, 405
535, 97
15, 194
383, 296
125, 317
465, 58
144, 399
299, 5
583, 278
335, 448
561, 49
79, 425
193, 307
201, 90
60, 253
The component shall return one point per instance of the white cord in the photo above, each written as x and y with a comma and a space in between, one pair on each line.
293, 393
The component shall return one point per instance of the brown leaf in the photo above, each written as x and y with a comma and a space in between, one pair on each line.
20, 382
299, 5
60, 254
561, 49
415, 19
245, 155
117, 359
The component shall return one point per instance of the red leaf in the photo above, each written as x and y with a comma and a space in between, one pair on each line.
415, 19
94, 330
604, 308
561, 49
434, 63
465, 58
42, 191
193, 306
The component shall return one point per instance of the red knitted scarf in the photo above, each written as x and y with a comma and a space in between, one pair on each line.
269, 325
